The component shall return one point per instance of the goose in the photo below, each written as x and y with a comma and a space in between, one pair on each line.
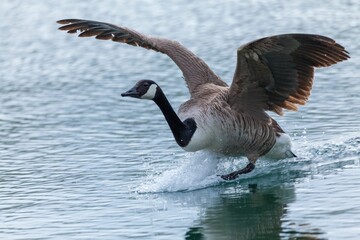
272, 74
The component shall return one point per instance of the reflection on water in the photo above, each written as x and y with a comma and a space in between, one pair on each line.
252, 213
255, 214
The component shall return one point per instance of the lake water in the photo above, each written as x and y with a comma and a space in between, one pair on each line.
77, 161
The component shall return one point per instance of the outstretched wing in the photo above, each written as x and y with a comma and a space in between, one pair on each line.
277, 72
195, 70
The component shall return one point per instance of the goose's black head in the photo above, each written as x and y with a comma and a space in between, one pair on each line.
144, 89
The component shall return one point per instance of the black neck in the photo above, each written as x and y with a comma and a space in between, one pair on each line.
182, 131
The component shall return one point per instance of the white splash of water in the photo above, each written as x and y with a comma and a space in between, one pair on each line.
198, 170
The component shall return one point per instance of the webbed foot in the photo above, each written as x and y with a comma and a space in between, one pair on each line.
233, 175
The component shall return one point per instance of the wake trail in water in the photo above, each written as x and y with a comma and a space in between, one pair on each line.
202, 169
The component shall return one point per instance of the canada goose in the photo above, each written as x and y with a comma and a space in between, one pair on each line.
272, 74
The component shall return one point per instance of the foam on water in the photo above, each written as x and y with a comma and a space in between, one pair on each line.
202, 169
198, 170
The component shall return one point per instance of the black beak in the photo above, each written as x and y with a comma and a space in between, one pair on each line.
131, 93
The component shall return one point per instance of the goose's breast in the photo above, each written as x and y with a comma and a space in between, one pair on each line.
200, 140
203, 135
216, 130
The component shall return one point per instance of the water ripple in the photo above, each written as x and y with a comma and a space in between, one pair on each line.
78, 161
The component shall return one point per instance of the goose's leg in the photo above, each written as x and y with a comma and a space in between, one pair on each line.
233, 175
247, 169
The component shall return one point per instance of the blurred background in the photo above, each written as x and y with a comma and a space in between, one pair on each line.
79, 162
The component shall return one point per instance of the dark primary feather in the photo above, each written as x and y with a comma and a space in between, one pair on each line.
277, 72
105, 31
195, 70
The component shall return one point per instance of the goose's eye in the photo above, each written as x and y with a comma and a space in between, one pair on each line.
146, 84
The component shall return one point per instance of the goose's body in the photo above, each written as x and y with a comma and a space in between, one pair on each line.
272, 74
222, 129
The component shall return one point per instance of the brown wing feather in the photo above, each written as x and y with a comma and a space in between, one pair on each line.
194, 69
281, 68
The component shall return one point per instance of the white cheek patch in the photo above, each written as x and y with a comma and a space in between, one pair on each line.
150, 94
